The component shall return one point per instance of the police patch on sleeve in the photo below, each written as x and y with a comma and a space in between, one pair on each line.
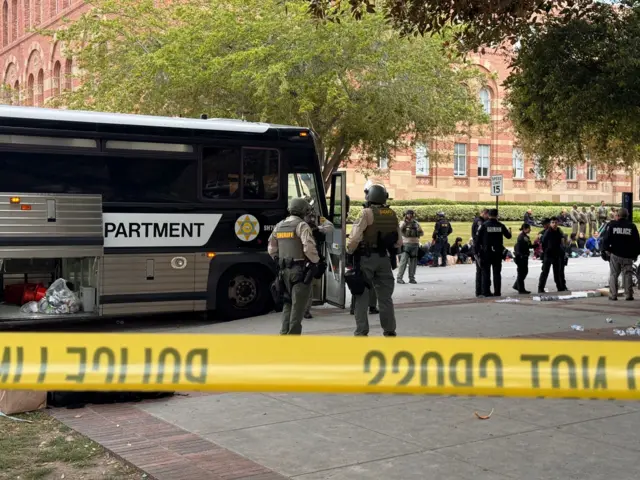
247, 227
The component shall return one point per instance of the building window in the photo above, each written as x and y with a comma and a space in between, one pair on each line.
14, 20
5, 23
484, 160
518, 163
383, 162
537, 169
56, 80
570, 173
460, 160
40, 89
68, 75
592, 172
30, 89
37, 14
27, 15
422, 159
485, 100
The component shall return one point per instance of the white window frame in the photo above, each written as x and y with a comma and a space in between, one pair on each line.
422, 159
485, 100
517, 160
459, 157
571, 173
592, 171
484, 160
383, 162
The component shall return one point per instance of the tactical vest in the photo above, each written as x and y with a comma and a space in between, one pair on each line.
442, 229
384, 222
289, 243
410, 229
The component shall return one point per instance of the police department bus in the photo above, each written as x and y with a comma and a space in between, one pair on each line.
148, 215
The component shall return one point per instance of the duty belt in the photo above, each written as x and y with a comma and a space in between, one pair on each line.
290, 263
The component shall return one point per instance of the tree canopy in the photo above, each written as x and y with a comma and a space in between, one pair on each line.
574, 93
481, 22
359, 84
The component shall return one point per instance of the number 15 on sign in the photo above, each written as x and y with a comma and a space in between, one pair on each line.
496, 187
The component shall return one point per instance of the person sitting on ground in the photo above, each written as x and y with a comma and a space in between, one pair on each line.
467, 248
456, 251
573, 248
581, 241
528, 218
563, 218
593, 245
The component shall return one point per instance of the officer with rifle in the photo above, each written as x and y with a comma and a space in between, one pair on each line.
294, 250
374, 241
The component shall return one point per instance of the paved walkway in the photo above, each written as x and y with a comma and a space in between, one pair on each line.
343, 437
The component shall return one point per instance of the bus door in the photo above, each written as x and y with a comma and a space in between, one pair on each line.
334, 286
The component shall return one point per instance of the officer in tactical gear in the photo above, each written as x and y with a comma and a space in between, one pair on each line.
374, 238
490, 248
373, 299
477, 223
622, 242
441, 233
411, 233
293, 247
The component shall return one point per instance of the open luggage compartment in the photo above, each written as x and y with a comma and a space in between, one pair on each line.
44, 238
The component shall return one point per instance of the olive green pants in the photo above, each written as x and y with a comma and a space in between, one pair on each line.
377, 270
409, 257
373, 300
299, 293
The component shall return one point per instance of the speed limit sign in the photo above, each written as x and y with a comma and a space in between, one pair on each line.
496, 185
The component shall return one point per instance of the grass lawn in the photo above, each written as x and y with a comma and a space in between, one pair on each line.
48, 449
463, 229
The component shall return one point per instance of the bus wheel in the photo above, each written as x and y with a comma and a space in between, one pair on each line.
243, 292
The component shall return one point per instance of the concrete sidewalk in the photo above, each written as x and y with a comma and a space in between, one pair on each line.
321, 437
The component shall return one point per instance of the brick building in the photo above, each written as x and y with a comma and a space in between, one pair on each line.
464, 164
35, 70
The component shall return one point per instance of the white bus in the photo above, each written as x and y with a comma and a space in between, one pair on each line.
151, 215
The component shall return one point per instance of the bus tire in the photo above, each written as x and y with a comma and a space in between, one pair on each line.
244, 291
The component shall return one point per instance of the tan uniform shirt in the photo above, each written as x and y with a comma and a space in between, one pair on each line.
411, 240
359, 226
303, 231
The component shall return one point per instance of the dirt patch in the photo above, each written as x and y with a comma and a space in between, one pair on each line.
47, 449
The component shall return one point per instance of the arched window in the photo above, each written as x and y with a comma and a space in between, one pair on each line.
56, 80
485, 100
5, 23
30, 88
68, 72
16, 93
37, 13
14, 20
40, 89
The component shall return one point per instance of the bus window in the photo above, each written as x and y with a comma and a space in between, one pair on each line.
260, 173
304, 185
221, 173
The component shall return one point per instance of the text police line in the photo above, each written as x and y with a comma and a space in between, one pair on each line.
153, 230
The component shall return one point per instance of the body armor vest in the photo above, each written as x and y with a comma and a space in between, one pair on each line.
289, 243
410, 229
384, 222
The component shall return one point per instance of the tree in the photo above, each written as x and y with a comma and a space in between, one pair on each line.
574, 93
360, 85
481, 22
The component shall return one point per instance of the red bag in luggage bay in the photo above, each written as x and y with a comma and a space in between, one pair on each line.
21, 293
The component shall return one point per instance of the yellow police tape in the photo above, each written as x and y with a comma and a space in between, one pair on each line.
166, 362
